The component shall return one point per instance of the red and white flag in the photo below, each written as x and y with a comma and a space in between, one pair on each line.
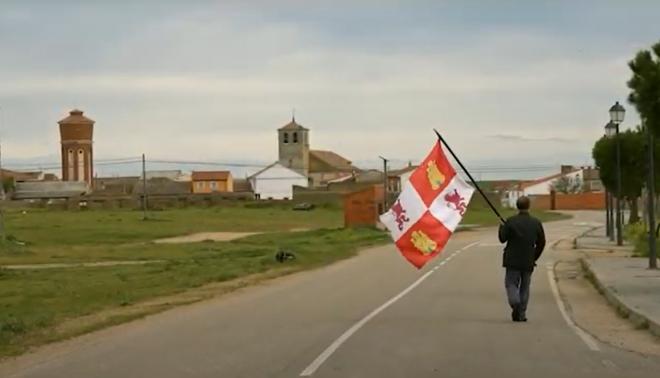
430, 207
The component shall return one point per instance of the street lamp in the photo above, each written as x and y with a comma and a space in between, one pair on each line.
617, 114
610, 129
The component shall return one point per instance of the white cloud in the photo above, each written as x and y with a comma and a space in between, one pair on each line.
215, 84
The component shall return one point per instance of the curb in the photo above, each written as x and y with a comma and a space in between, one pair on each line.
638, 318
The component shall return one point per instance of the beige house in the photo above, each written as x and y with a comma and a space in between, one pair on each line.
212, 181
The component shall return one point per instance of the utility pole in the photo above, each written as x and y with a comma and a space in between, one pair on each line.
3, 237
385, 182
144, 188
653, 263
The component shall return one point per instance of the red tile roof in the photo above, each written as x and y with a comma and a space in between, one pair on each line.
210, 175
333, 159
527, 184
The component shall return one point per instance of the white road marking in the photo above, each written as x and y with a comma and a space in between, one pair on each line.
491, 245
591, 343
311, 369
610, 364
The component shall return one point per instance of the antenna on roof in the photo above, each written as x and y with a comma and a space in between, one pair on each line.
293, 115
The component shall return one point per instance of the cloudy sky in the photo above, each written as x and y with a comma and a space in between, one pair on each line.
510, 83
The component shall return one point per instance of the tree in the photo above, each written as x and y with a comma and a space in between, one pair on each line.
8, 184
633, 166
645, 86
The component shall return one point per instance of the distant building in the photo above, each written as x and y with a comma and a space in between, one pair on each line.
20, 176
318, 165
212, 181
577, 179
76, 132
162, 186
276, 182
171, 174
116, 186
242, 185
49, 189
396, 178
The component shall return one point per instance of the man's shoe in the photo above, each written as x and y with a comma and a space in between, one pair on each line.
515, 314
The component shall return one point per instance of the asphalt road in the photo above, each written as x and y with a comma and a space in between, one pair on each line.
370, 316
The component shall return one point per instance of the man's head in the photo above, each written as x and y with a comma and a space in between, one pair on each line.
523, 203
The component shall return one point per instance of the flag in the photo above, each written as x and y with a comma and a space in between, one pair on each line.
430, 207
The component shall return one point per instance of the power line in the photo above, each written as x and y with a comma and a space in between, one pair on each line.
220, 164
54, 166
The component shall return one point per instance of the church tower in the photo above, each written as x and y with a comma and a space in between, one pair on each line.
294, 147
76, 133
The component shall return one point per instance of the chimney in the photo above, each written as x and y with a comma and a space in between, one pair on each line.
567, 169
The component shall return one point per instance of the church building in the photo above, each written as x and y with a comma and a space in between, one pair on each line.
318, 165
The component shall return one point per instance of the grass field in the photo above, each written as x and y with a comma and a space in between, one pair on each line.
34, 304
44, 227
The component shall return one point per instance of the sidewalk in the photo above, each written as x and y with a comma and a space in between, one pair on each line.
626, 282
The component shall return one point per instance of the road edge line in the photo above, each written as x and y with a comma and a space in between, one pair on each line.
591, 343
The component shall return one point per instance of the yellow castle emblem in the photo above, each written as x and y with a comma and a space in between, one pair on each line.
423, 243
436, 178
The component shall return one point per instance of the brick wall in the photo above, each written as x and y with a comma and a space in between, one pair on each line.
363, 207
580, 201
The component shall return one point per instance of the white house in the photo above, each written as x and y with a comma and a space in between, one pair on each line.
399, 177
173, 174
276, 182
575, 176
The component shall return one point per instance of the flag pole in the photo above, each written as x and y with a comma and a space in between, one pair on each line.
492, 207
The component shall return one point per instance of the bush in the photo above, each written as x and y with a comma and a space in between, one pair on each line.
637, 235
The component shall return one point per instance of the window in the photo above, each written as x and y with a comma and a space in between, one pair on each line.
81, 165
295, 137
214, 185
70, 165
286, 138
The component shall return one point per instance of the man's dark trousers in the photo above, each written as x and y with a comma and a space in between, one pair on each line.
517, 289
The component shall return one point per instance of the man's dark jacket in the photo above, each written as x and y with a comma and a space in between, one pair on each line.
525, 241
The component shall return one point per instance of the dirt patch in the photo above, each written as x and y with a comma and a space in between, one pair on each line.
592, 313
300, 229
205, 236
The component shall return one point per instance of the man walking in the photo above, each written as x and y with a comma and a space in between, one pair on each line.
525, 241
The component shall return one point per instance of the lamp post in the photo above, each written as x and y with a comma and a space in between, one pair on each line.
617, 114
608, 226
653, 263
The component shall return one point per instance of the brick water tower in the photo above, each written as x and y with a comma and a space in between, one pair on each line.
76, 132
